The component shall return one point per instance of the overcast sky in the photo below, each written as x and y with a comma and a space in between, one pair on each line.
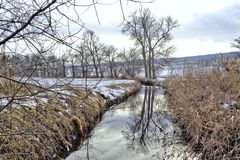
206, 26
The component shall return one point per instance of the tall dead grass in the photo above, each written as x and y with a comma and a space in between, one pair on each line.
49, 130
207, 108
52, 129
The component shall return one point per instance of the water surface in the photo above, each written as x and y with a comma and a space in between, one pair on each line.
138, 129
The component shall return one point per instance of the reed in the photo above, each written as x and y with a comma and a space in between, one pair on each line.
206, 105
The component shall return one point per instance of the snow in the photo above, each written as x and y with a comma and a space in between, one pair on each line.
28, 103
3, 102
95, 84
109, 92
79, 82
227, 105
63, 86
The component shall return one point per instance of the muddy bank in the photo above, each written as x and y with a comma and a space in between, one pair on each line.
150, 82
51, 130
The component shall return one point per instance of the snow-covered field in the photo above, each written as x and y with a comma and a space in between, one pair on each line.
94, 84
78, 82
66, 86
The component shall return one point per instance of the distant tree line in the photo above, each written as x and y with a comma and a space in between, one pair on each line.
91, 59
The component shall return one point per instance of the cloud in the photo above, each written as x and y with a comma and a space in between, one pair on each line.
104, 29
219, 26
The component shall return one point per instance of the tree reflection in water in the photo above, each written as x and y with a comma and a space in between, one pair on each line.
150, 127
137, 129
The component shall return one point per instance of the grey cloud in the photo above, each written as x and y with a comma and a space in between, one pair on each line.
220, 26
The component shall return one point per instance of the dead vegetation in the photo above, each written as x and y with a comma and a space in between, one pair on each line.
54, 128
207, 108
49, 130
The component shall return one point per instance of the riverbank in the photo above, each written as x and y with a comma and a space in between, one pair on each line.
57, 124
150, 81
140, 128
207, 108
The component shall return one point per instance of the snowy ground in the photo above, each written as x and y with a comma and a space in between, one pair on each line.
80, 82
94, 84
66, 87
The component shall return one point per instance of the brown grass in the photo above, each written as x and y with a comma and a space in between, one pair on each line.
49, 130
198, 100
46, 131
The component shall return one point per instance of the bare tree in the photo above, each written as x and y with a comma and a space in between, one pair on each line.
110, 53
91, 42
131, 61
36, 28
133, 28
236, 43
150, 34
83, 59
64, 60
163, 51
100, 57
73, 60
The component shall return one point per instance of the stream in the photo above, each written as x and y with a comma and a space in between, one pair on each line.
138, 129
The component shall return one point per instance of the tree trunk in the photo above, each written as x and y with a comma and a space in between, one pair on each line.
149, 65
99, 66
153, 65
144, 61
73, 70
83, 70
44, 71
94, 64
64, 68
150, 56
111, 68
100, 70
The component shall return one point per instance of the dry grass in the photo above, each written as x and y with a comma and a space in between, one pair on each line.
50, 130
207, 107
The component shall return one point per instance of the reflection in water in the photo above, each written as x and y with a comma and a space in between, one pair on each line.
138, 129
143, 131
150, 128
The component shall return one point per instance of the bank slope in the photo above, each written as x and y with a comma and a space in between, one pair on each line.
55, 125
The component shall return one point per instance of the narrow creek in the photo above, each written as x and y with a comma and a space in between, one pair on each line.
138, 129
